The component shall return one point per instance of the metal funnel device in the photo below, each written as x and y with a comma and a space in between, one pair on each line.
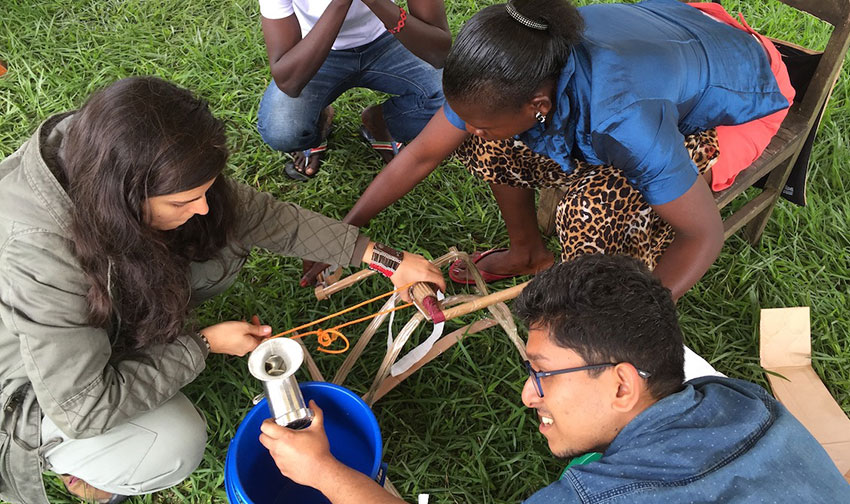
274, 362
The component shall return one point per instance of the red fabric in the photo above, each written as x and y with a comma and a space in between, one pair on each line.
742, 144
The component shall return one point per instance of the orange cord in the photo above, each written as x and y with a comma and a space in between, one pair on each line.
327, 336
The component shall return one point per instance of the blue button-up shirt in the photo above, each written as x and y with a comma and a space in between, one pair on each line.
644, 76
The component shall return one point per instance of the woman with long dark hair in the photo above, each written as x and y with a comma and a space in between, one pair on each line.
115, 220
638, 111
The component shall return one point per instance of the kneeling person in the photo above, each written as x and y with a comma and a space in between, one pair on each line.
605, 375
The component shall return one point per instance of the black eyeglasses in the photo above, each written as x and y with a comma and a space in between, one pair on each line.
537, 375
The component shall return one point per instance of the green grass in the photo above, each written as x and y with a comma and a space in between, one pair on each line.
456, 429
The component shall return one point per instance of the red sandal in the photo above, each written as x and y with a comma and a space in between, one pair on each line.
458, 268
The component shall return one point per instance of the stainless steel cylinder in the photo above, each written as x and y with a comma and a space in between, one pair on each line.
274, 362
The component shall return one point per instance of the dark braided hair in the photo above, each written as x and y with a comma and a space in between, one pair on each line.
499, 61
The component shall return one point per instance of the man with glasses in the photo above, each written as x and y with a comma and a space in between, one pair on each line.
605, 376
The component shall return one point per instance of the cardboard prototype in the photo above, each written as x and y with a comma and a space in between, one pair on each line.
786, 349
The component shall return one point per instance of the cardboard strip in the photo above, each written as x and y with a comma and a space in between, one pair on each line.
786, 352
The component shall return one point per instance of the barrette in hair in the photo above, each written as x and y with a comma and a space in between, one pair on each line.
523, 20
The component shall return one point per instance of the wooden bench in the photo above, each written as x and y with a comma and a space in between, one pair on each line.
772, 168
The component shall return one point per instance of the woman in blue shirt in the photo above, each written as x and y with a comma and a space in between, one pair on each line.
538, 86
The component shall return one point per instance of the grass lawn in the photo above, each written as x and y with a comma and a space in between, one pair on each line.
456, 429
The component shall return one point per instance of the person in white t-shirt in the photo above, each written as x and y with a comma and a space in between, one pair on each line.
318, 49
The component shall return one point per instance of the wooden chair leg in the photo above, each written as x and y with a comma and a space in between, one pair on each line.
777, 179
754, 229
549, 199
775, 183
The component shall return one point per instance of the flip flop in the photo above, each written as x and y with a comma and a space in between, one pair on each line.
378, 145
294, 173
459, 267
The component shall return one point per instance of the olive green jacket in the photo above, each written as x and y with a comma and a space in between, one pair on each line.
51, 362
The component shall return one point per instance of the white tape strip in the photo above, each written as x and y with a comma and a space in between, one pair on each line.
415, 355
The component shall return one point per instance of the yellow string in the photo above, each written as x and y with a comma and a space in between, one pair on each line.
327, 336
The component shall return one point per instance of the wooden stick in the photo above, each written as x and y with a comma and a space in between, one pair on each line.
425, 298
494, 302
390, 488
312, 368
360, 346
324, 292
503, 315
484, 301
444, 343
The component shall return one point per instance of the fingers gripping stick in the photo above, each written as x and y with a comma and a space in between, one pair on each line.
328, 277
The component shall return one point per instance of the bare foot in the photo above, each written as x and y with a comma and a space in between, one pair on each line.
312, 167
83, 490
510, 263
373, 119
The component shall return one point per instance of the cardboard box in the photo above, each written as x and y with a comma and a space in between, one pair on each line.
786, 349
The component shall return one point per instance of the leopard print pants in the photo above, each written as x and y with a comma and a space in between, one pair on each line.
600, 211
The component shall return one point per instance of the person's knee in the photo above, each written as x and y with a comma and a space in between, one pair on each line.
179, 440
287, 124
407, 113
178, 435
406, 116
289, 136
178, 449
151, 452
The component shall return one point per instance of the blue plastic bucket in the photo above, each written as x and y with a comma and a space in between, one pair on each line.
250, 475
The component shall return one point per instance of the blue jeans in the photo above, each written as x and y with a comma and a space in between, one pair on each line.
289, 124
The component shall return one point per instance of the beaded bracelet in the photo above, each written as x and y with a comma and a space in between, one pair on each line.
402, 17
385, 260
205, 340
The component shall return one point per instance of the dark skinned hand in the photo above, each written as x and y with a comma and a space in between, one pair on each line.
311, 271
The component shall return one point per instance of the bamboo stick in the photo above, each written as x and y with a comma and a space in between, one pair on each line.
444, 343
364, 339
484, 301
312, 368
324, 292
